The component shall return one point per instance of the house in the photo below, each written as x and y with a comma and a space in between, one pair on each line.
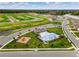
46, 36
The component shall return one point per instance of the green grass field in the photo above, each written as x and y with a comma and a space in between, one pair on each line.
23, 17
76, 33
20, 25
35, 42
55, 30
4, 26
3, 18
17, 16
74, 29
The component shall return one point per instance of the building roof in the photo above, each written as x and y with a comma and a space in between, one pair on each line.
46, 36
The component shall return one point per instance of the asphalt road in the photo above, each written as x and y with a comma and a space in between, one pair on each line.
39, 54
71, 37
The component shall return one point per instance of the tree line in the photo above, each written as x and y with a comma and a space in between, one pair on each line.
53, 12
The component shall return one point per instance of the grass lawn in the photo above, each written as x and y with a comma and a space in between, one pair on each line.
76, 33
35, 42
58, 23
55, 30
73, 29
3, 18
22, 17
19, 25
25, 17
70, 24
22, 24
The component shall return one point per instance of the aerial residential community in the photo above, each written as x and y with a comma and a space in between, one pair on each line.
49, 32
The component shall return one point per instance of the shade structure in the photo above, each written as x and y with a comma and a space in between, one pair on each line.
46, 36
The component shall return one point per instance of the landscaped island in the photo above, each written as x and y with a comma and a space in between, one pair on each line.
35, 42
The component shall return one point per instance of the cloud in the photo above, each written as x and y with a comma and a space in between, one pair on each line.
39, 5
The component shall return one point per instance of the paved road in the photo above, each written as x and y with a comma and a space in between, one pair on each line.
38, 54
70, 35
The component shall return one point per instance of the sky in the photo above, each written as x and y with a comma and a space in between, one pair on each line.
39, 5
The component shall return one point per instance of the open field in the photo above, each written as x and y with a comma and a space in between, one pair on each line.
22, 16
55, 30
19, 25
3, 18
4, 26
20, 21
35, 42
